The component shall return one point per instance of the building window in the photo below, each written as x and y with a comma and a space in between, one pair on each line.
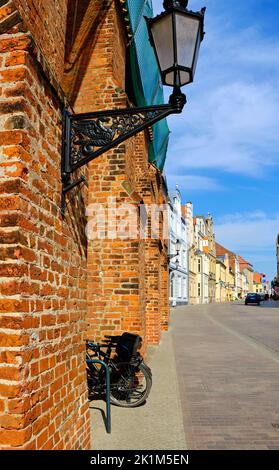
199, 289
199, 265
179, 287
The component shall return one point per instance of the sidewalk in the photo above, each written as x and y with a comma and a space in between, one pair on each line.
157, 425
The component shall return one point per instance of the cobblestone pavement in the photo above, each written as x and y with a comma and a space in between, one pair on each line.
227, 358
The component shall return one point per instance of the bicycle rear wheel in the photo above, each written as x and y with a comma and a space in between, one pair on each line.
130, 385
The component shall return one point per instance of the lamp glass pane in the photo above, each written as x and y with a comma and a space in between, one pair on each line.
197, 53
162, 32
187, 31
184, 77
169, 79
178, 245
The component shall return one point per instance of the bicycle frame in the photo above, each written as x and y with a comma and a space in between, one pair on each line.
130, 378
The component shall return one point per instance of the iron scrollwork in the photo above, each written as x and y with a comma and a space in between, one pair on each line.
88, 135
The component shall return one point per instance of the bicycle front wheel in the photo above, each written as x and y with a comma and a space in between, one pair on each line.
130, 385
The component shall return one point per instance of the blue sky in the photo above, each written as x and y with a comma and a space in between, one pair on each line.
224, 149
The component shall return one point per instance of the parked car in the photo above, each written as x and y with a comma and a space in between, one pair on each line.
252, 299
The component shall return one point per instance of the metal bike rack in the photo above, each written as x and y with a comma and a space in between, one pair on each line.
108, 413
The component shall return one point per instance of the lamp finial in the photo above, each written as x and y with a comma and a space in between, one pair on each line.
175, 3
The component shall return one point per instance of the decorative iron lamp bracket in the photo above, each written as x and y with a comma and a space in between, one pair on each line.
87, 136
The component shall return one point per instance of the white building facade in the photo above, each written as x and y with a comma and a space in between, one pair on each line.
178, 265
187, 211
201, 243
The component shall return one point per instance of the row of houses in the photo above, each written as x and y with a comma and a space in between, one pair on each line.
201, 269
275, 282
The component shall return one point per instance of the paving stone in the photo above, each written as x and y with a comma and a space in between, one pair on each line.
228, 362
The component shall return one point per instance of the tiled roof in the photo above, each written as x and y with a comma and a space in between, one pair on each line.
243, 264
221, 251
257, 278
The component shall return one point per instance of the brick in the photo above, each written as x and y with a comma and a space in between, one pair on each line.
19, 405
15, 43
9, 373
11, 422
8, 339
13, 270
13, 305
41, 439
40, 424
17, 89
9, 219
13, 106
15, 438
13, 138
16, 58
11, 186
18, 153
6, 10
13, 75
9, 203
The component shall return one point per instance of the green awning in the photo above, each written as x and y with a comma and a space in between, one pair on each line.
143, 78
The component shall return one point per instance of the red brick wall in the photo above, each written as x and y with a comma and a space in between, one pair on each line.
52, 282
113, 265
156, 272
43, 396
46, 21
121, 292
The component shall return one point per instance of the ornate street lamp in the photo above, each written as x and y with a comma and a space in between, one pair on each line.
178, 245
176, 35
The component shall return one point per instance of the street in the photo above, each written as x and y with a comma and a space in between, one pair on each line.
227, 359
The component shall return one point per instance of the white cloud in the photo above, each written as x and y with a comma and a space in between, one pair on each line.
253, 236
248, 231
240, 216
193, 183
235, 130
231, 121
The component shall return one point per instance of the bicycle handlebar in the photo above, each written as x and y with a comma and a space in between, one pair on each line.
110, 341
113, 337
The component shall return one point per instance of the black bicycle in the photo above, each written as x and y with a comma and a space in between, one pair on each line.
130, 377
